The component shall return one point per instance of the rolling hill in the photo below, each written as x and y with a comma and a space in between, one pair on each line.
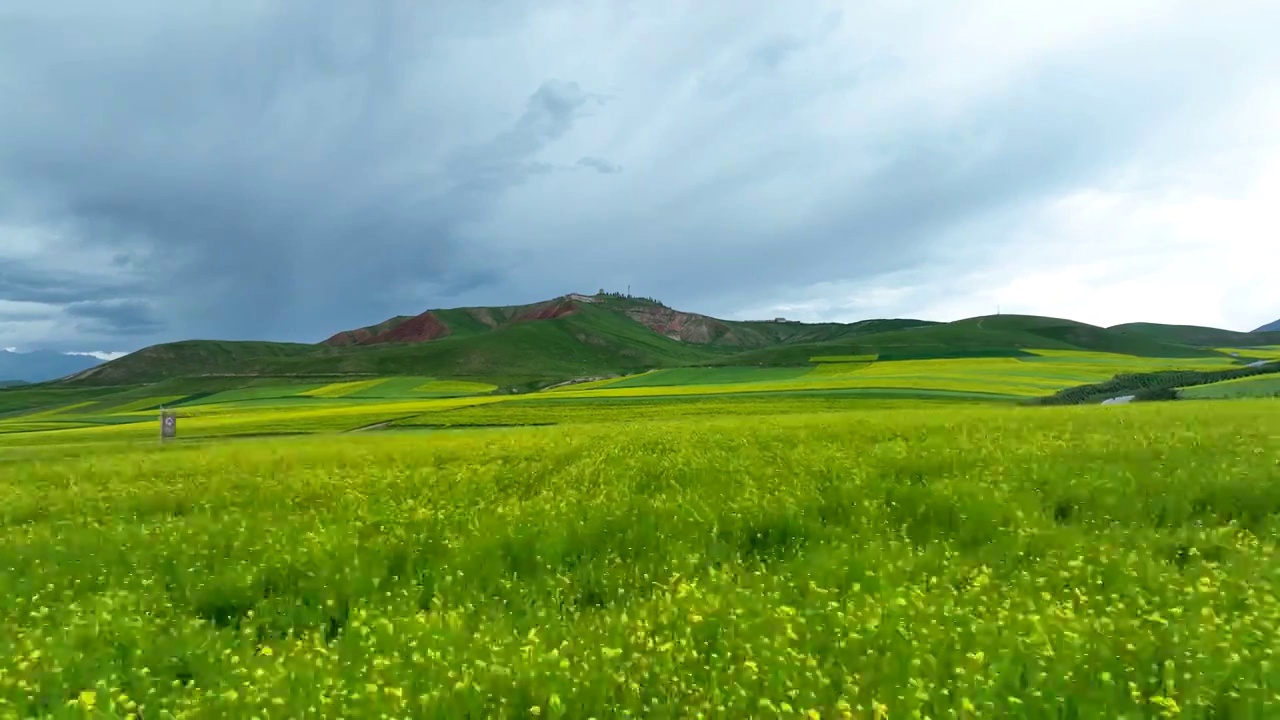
685, 327
987, 336
1197, 336
573, 336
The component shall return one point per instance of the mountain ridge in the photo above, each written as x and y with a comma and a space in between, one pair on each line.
1269, 327
42, 365
576, 335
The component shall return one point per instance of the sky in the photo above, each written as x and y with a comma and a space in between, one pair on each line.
286, 170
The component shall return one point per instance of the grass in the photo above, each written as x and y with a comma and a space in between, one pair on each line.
708, 376
243, 406
979, 376
270, 419
940, 562
343, 389
575, 411
591, 341
843, 359
1265, 386
1159, 385
1193, 335
1000, 336
1262, 352
454, 387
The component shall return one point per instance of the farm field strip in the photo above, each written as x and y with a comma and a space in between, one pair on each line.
959, 380
246, 394
631, 410
593, 384
345, 405
709, 376
962, 562
460, 387
418, 387
143, 404
1267, 352
1264, 386
343, 389
842, 359
264, 420
1191, 363
55, 411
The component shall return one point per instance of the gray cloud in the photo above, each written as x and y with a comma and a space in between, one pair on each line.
600, 165
286, 172
116, 317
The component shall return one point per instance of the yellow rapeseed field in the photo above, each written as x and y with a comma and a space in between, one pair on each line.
948, 562
342, 389
455, 386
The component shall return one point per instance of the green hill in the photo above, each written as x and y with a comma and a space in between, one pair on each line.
195, 358
582, 336
1197, 336
988, 336
567, 340
685, 327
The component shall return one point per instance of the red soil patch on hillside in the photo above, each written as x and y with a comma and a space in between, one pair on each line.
549, 311
686, 327
348, 337
420, 328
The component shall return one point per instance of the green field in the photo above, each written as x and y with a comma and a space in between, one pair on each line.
217, 407
946, 560
709, 376
1265, 386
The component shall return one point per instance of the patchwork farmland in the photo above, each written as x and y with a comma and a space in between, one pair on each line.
849, 537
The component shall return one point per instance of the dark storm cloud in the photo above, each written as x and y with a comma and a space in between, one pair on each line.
115, 317
24, 282
283, 171
289, 170
24, 313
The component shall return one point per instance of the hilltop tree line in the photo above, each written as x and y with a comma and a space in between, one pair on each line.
629, 296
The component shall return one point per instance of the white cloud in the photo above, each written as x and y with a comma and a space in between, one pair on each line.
99, 354
1175, 239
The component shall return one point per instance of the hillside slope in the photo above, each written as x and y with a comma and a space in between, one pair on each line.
685, 327
577, 336
1198, 336
557, 344
190, 358
994, 335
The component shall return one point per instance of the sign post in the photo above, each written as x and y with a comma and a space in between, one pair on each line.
168, 425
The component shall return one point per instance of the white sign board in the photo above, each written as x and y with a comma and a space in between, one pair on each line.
168, 425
